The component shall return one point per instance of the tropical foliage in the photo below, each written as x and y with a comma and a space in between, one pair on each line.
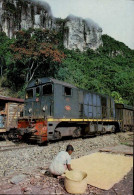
32, 56
105, 71
38, 53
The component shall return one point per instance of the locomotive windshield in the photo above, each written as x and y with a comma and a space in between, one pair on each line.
47, 89
29, 93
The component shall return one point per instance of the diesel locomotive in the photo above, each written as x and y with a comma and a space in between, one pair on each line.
54, 109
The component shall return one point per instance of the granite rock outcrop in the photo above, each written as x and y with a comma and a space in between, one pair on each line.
78, 33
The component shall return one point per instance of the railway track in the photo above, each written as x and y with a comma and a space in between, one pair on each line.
10, 146
15, 147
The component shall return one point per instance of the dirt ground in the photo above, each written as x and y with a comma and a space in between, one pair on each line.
40, 181
43, 184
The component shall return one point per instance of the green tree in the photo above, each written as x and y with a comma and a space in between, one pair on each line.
117, 97
108, 70
33, 56
38, 53
5, 53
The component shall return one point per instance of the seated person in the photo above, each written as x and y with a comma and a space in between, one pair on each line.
62, 162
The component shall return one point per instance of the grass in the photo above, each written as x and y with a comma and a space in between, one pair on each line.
126, 143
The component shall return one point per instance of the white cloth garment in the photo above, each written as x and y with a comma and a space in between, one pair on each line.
58, 165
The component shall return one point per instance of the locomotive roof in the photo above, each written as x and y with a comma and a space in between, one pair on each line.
48, 80
62, 83
123, 106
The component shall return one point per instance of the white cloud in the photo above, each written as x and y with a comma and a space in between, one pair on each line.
116, 17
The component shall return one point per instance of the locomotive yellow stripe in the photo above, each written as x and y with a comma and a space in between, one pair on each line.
79, 120
2, 130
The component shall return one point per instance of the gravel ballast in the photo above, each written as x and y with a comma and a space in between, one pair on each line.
29, 158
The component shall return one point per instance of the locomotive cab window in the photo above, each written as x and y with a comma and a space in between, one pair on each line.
29, 94
47, 89
67, 91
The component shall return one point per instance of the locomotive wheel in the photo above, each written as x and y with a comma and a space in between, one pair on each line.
13, 135
57, 135
76, 133
5, 137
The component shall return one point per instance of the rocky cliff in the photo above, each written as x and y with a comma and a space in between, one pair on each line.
81, 34
77, 33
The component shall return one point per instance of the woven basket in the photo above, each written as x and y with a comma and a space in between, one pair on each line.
75, 182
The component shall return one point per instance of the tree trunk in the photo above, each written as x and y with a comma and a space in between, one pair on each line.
34, 72
1, 72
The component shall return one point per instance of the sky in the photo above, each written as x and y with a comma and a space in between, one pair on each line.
115, 17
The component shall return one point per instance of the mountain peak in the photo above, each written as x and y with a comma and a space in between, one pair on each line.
78, 33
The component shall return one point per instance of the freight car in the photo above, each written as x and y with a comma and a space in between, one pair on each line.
55, 109
125, 114
10, 110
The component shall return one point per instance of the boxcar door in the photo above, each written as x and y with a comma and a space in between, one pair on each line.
104, 106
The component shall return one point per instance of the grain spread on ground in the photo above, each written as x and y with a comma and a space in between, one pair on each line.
103, 170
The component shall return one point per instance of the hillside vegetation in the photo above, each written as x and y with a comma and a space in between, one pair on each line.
38, 53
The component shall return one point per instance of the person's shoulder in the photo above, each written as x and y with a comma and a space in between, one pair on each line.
61, 152
68, 155
64, 153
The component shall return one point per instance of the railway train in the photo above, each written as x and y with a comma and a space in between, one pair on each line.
54, 109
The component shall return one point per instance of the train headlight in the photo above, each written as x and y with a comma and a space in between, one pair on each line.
44, 108
30, 110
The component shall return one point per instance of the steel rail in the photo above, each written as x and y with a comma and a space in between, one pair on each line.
15, 148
